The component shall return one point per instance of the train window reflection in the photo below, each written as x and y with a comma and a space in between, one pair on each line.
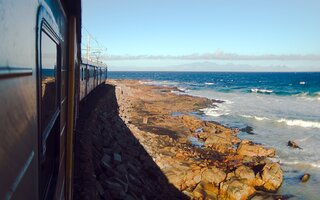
48, 79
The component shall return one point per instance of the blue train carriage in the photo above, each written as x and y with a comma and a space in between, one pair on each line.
92, 75
41, 85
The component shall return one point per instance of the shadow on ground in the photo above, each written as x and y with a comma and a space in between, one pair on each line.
110, 163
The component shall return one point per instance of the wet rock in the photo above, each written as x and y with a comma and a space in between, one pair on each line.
213, 175
247, 129
293, 144
236, 189
305, 177
247, 148
271, 177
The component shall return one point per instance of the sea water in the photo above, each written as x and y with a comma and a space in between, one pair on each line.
278, 106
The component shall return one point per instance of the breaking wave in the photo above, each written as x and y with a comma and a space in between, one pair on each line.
301, 123
255, 117
297, 162
289, 122
256, 90
214, 112
308, 96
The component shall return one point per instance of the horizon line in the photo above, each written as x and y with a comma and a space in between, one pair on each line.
216, 71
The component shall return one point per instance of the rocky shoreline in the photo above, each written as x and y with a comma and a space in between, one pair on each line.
162, 125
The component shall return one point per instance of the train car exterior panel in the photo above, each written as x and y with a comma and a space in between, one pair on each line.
18, 144
37, 105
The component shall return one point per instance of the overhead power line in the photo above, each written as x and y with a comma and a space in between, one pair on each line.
90, 50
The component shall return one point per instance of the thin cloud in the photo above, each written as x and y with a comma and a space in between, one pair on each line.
216, 67
218, 55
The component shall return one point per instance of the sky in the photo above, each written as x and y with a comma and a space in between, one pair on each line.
204, 35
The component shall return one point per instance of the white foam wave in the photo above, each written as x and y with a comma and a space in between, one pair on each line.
256, 90
255, 117
214, 112
208, 83
301, 123
184, 89
289, 122
227, 101
144, 82
160, 83
297, 162
308, 96
211, 112
302, 82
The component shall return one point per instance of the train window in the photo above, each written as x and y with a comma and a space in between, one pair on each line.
81, 73
49, 88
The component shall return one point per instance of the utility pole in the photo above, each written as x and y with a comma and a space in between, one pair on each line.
88, 47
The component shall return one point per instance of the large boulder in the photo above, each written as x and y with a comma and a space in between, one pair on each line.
270, 178
247, 148
236, 189
213, 175
246, 173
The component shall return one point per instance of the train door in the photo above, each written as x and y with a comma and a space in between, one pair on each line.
51, 81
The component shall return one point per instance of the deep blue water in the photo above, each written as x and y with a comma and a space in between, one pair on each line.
303, 83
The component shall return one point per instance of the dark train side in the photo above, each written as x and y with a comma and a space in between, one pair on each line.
42, 81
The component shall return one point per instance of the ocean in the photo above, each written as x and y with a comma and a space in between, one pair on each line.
278, 106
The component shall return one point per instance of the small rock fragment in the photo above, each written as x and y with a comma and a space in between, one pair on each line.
305, 177
293, 145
